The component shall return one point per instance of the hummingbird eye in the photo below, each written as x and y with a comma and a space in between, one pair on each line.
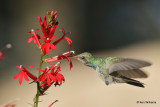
82, 57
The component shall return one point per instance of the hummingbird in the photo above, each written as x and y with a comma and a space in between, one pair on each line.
115, 69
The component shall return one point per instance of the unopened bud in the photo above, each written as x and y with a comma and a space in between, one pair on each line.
48, 12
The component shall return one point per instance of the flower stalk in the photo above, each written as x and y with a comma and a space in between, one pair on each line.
38, 91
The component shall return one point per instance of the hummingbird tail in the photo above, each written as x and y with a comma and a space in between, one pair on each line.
133, 82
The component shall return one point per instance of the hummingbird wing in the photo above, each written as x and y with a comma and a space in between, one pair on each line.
128, 67
137, 73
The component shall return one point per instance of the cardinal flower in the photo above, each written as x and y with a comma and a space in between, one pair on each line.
1, 55
47, 45
34, 37
69, 41
24, 74
3, 50
56, 73
48, 30
51, 75
62, 56
46, 76
63, 37
46, 42
59, 78
43, 25
51, 30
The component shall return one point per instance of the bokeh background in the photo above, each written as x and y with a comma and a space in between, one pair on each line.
103, 27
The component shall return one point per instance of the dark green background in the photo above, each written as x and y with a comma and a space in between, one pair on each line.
95, 24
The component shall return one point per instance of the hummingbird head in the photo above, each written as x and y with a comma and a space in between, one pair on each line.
84, 57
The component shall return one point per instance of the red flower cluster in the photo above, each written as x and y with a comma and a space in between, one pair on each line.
51, 75
45, 43
48, 32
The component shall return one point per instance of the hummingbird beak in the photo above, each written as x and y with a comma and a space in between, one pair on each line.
76, 57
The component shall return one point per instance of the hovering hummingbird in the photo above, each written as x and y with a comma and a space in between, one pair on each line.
115, 69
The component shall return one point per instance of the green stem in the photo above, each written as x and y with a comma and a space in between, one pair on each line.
40, 66
36, 99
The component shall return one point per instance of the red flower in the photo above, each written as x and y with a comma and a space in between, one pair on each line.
24, 74
1, 55
62, 56
58, 76
3, 50
47, 46
46, 76
21, 74
48, 31
51, 30
68, 40
34, 37
63, 37
43, 25
50, 76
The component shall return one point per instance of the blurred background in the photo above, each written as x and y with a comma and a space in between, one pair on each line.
104, 28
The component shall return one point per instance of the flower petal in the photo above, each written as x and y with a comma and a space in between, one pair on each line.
53, 37
44, 46
37, 30
36, 38
26, 77
52, 77
30, 39
29, 67
44, 77
34, 78
48, 80
52, 59
19, 67
20, 79
59, 79
17, 75
42, 26
47, 49
40, 70
58, 40
45, 22
52, 46
68, 40
42, 37
52, 30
